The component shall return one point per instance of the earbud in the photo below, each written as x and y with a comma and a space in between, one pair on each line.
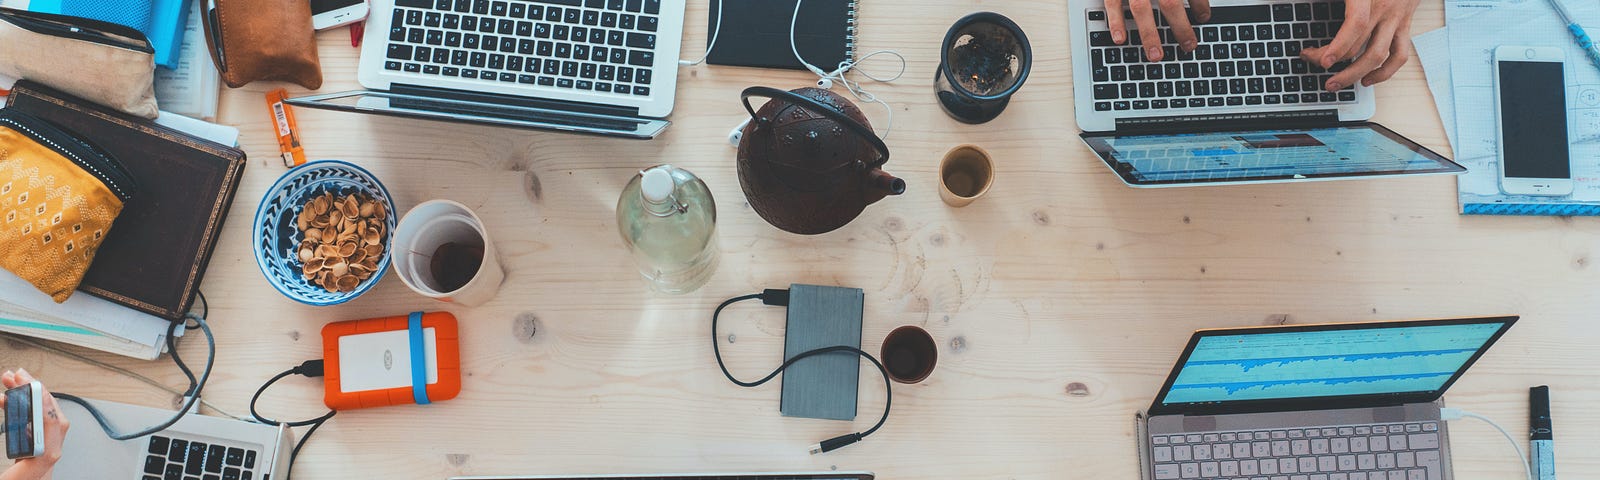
825, 83
737, 134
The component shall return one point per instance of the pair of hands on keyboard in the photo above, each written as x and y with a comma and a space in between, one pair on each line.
1376, 35
55, 432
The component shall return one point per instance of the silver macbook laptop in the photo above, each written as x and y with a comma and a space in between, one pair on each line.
196, 447
693, 476
605, 67
1241, 108
1351, 401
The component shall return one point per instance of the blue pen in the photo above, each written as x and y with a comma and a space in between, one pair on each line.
1584, 42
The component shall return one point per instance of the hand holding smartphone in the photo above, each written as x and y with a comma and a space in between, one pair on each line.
24, 422
1531, 106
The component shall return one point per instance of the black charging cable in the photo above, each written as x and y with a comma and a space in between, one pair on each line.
192, 395
309, 369
780, 297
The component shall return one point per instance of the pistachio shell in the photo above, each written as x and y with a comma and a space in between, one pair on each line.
311, 266
348, 283
305, 255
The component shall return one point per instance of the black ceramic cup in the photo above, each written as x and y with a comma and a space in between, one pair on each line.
984, 60
909, 354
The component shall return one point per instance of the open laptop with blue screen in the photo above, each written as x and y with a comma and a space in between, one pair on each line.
1241, 108
1351, 401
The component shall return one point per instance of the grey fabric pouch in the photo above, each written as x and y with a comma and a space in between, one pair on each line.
105, 63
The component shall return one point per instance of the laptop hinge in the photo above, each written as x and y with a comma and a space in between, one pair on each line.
1227, 122
520, 101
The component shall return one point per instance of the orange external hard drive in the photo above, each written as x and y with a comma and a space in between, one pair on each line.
396, 360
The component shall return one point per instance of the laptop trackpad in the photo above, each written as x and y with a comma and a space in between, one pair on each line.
89, 453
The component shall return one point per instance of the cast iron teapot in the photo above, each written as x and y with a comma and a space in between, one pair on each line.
809, 162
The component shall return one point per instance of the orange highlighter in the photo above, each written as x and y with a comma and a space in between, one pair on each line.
283, 124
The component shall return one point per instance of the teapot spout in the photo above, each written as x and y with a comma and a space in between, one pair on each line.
882, 185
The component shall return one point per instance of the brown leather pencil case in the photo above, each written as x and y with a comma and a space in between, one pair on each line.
263, 40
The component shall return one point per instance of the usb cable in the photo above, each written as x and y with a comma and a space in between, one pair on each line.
1448, 414
780, 297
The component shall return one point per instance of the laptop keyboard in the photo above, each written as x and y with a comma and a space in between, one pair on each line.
176, 459
1248, 55
605, 46
1388, 451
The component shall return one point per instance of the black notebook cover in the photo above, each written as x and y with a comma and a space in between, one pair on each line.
755, 33
823, 386
156, 252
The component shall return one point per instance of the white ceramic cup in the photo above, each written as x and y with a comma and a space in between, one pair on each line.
437, 222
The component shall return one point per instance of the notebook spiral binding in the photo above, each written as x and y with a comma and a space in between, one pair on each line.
850, 37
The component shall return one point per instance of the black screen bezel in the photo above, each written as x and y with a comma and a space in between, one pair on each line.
1318, 403
1444, 165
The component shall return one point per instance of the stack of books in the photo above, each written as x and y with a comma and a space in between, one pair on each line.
147, 273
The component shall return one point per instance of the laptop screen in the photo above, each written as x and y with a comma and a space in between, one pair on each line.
1385, 360
1263, 155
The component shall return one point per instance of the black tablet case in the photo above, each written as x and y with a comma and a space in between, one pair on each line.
824, 386
755, 33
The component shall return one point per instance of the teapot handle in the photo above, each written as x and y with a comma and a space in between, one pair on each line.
832, 113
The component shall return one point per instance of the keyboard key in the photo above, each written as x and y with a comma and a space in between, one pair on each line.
214, 458
1246, 33
1147, 89
174, 472
1120, 105
1109, 92
569, 69
641, 40
1166, 472
1420, 440
1263, 32
624, 89
641, 58
399, 52
1240, 14
1230, 34
154, 464
1100, 39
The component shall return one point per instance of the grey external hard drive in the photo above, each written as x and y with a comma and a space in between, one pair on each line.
824, 386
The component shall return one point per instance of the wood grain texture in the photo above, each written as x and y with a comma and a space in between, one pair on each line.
1059, 276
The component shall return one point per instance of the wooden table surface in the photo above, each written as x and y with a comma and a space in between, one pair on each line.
1059, 301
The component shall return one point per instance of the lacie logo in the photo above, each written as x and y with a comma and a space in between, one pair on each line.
388, 360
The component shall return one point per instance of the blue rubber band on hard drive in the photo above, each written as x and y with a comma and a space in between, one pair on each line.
419, 361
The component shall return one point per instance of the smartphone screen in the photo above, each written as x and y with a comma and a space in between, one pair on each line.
319, 7
1533, 120
19, 422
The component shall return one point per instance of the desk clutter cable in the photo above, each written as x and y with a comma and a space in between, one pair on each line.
780, 297
308, 369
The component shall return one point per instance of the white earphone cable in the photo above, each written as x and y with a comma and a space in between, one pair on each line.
838, 74
715, 29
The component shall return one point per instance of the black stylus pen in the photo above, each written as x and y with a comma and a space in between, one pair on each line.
1540, 440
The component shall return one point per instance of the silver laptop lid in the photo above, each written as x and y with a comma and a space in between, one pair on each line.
518, 113
1327, 366
694, 476
1234, 152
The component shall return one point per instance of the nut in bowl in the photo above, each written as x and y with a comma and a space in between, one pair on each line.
323, 232
340, 240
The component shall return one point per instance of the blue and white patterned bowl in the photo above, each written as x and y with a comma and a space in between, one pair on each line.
277, 238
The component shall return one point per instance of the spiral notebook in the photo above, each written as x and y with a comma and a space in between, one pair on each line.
755, 33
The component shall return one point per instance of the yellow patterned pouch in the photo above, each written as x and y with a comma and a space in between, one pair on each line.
58, 198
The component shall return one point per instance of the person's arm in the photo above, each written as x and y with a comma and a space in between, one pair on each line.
1376, 35
1144, 18
55, 433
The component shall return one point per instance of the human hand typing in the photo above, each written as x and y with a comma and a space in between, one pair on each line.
1144, 20
1376, 35
55, 433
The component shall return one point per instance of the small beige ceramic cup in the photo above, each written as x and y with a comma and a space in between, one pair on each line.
965, 174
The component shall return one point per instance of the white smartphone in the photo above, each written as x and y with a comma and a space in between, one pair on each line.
326, 14
25, 421
1531, 118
